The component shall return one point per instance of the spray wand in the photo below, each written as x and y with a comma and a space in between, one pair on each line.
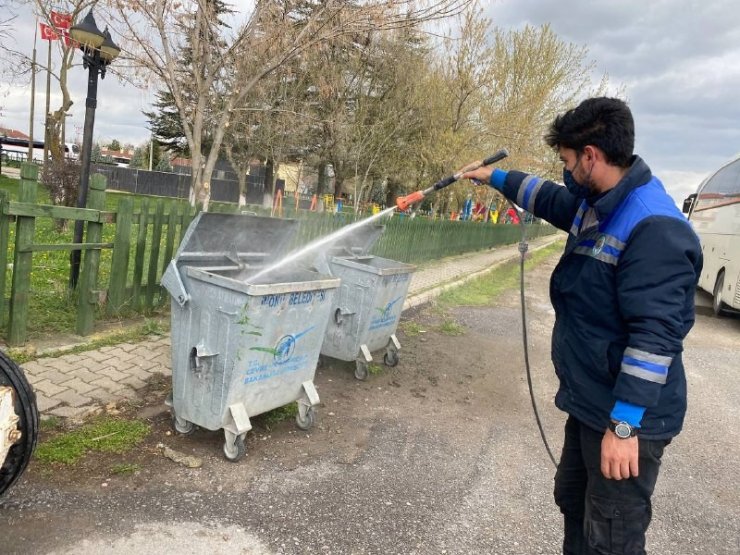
403, 203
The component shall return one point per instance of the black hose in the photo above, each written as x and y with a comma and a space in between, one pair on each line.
523, 247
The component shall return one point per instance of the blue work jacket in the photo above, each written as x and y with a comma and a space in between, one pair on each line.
623, 293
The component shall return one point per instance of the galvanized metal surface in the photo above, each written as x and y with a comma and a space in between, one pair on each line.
368, 305
238, 348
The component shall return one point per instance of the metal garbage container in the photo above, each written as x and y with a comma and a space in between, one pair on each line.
367, 308
242, 344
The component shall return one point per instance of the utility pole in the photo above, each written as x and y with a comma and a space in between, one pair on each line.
33, 95
48, 101
151, 152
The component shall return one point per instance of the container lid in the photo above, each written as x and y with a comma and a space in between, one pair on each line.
226, 239
354, 244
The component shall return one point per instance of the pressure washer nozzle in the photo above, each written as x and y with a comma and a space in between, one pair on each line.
403, 203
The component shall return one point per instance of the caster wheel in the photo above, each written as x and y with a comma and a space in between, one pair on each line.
235, 452
362, 370
306, 423
391, 358
182, 427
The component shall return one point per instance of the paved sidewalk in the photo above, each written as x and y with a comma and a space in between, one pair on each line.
75, 385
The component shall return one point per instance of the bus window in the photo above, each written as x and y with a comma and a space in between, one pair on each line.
725, 182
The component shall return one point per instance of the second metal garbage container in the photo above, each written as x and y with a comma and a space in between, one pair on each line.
367, 308
242, 344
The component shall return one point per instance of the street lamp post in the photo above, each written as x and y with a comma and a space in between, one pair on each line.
98, 50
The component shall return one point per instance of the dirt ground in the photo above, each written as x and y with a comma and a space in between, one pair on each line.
437, 455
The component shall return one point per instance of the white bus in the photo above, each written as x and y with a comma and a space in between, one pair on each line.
17, 149
714, 211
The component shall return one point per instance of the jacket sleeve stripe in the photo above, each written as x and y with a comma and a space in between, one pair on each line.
649, 366
642, 373
530, 194
638, 354
525, 190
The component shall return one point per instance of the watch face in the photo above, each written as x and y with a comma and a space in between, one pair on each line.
623, 430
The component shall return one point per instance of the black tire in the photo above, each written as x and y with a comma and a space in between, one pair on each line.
306, 423
186, 430
28, 422
362, 370
391, 358
717, 304
236, 452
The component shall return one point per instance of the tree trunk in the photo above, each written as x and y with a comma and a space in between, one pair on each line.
338, 182
321, 182
270, 178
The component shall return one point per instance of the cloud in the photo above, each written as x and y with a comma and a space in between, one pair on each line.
679, 62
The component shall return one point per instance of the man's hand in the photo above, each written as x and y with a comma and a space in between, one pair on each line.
619, 456
482, 174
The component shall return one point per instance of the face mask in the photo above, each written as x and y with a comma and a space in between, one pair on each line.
575, 188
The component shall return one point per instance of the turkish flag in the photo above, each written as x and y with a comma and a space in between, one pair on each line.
48, 33
69, 41
61, 20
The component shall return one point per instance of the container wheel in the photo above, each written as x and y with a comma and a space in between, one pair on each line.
306, 423
182, 426
362, 370
391, 358
235, 452
719, 285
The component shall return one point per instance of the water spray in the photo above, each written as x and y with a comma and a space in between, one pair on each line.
403, 203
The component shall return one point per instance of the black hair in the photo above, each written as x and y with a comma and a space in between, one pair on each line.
603, 122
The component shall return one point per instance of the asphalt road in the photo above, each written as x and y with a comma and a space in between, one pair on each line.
439, 455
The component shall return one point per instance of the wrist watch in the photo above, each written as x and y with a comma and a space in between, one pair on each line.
622, 430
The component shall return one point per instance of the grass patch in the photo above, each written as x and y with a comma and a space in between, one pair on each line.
374, 369
125, 468
450, 327
50, 424
275, 416
485, 289
412, 328
107, 435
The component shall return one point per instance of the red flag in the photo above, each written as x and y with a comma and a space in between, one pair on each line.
48, 33
61, 20
69, 41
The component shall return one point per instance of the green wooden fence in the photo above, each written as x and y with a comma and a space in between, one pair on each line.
126, 251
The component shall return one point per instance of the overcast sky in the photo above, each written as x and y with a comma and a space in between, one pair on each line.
678, 62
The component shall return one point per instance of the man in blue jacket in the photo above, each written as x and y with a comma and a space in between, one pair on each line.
623, 294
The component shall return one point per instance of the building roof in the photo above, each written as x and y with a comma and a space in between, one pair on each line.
13, 133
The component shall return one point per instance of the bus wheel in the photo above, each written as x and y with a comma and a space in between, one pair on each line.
717, 304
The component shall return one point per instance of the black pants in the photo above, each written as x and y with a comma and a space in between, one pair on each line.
603, 516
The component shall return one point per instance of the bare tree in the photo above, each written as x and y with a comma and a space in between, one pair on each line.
229, 60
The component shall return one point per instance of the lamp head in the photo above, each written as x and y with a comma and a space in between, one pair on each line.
87, 33
109, 50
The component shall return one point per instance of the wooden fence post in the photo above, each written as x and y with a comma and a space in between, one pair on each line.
4, 238
121, 253
23, 260
88, 298
153, 273
139, 254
